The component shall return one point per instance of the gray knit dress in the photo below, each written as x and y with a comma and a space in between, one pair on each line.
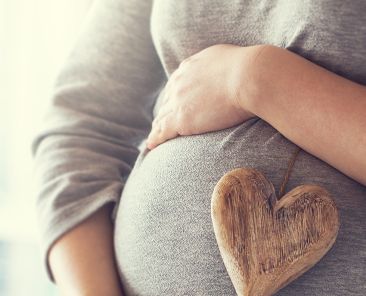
91, 149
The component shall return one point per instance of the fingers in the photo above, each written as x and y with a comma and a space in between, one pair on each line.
164, 128
168, 87
165, 95
163, 111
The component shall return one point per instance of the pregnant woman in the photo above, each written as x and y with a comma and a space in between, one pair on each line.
159, 99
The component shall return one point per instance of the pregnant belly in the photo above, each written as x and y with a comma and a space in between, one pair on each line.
164, 240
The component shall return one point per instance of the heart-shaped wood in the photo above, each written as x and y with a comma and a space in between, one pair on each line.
267, 243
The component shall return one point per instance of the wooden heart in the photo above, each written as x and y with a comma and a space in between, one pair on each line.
267, 243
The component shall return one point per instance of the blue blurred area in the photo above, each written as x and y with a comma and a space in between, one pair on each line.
21, 271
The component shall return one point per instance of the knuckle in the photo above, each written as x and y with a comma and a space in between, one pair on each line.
155, 121
164, 125
183, 113
175, 76
185, 61
178, 92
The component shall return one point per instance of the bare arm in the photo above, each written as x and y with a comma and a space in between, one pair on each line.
323, 113
224, 85
82, 260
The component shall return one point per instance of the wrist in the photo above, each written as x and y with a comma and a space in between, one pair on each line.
254, 83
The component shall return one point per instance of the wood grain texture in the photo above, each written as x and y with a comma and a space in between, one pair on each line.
267, 243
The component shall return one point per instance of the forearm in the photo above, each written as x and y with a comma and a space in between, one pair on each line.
82, 261
323, 113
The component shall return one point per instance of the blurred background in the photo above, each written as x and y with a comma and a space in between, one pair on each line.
35, 38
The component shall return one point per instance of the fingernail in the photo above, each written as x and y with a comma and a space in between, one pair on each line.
148, 143
150, 146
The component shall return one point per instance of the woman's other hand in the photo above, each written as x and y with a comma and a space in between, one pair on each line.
202, 95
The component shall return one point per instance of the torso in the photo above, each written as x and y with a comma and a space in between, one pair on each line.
164, 239
331, 33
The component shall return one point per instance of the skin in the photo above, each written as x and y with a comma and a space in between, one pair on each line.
224, 85
82, 260
318, 110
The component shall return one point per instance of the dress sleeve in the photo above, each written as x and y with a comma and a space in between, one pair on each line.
99, 111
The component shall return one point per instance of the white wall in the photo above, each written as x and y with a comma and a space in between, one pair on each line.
35, 37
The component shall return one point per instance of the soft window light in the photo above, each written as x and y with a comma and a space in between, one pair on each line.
35, 38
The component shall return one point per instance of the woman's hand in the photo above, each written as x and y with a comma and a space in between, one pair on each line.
202, 94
